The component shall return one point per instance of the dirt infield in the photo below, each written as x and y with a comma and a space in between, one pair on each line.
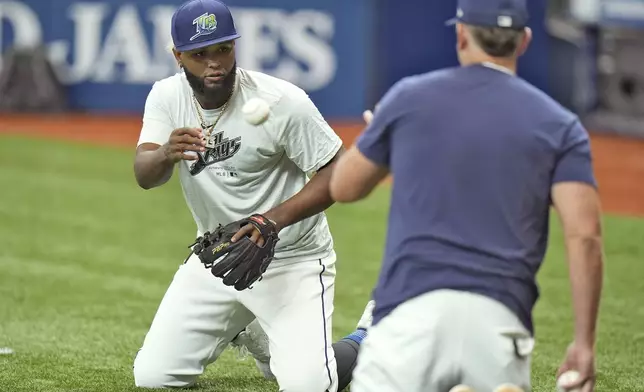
619, 162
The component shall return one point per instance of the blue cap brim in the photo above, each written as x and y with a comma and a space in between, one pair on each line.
452, 22
203, 44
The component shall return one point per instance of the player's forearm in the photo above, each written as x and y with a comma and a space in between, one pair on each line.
152, 168
311, 200
586, 276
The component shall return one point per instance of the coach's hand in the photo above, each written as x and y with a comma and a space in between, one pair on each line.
367, 115
582, 359
183, 140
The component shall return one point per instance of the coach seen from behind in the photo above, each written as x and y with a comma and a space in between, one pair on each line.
478, 156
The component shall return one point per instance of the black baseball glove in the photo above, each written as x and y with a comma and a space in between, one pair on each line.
240, 263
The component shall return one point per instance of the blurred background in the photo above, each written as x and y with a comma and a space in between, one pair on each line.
346, 54
586, 53
85, 255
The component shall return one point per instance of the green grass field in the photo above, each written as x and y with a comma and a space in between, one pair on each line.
86, 256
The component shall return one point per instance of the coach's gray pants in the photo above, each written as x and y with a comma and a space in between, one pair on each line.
442, 339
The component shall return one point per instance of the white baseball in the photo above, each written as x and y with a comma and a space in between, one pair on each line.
565, 378
256, 111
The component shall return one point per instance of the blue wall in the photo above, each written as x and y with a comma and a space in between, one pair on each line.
414, 39
345, 53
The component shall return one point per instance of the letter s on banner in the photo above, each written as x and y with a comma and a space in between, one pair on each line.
292, 46
307, 36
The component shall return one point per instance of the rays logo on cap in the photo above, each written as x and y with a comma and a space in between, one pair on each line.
205, 24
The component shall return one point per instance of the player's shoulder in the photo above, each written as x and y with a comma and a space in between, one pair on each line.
282, 96
268, 87
169, 88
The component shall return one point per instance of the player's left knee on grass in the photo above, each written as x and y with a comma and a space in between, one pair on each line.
148, 375
153, 380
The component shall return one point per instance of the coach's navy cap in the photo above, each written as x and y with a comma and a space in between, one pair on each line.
200, 23
492, 13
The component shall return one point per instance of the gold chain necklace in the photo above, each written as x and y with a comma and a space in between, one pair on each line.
208, 129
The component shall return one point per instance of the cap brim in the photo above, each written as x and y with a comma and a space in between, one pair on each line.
453, 21
203, 44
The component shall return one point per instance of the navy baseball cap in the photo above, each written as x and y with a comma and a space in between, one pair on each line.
200, 23
511, 14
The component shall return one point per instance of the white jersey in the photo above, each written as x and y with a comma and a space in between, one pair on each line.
250, 169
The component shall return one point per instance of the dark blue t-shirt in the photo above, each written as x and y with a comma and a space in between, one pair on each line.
474, 152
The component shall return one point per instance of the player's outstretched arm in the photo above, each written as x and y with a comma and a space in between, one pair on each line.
314, 147
578, 207
153, 163
311, 200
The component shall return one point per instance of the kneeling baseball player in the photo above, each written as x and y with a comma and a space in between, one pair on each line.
275, 262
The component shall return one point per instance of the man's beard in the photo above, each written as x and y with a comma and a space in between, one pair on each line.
213, 94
